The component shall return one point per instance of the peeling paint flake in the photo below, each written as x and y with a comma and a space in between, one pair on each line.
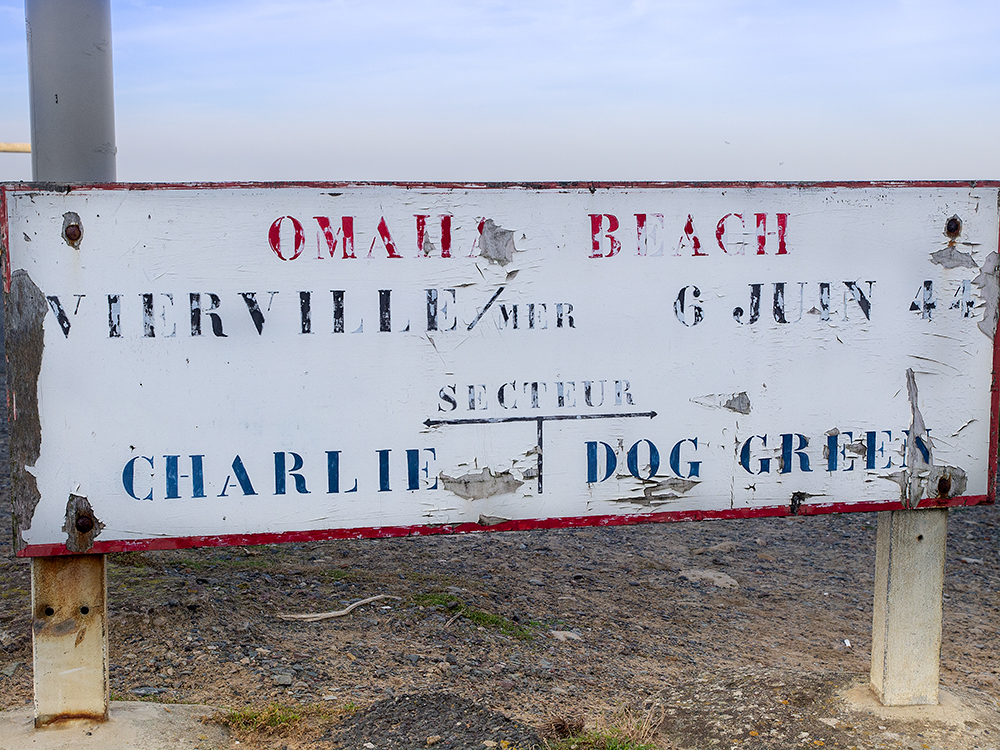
479, 486
988, 282
735, 402
661, 492
923, 478
952, 257
496, 244
918, 447
24, 313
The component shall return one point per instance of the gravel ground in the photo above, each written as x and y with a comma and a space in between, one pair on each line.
441, 719
498, 638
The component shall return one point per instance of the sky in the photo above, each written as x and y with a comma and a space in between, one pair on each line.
518, 90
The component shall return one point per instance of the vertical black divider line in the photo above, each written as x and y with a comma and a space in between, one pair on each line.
540, 422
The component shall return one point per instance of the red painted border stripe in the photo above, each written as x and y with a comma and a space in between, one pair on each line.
383, 532
991, 481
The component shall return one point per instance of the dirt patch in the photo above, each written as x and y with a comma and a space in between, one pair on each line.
438, 719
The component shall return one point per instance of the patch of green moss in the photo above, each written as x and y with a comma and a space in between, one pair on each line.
453, 604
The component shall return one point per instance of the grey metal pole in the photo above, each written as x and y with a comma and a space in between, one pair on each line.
71, 91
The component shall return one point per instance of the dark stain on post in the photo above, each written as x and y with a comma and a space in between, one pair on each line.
25, 309
81, 525
797, 498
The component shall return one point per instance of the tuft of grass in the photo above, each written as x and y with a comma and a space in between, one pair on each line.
448, 601
255, 724
334, 574
625, 730
599, 741
271, 719
456, 606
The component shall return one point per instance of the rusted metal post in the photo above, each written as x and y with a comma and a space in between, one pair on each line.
73, 140
906, 617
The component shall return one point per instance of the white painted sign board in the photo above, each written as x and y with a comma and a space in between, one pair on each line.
231, 364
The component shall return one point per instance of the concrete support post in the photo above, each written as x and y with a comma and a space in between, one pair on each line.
906, 621
69, 638
71, 90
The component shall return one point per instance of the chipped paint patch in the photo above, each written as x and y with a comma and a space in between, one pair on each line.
988, 282
485, 520
81, 525
796, 502
673, 485
736, 402
915, 458
946, 481
659, 492
496, 244
858, 448
933, 481
952, 257
24, 313
477, 486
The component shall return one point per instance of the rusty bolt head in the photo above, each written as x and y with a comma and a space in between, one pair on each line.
84, 524
944, 486
73, 232
953, 227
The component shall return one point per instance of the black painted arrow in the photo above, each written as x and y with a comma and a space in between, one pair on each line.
554, 417
539, 421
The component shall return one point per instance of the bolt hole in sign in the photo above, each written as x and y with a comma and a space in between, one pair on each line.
237, 364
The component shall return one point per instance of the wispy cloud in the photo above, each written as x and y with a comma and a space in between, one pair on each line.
506, 89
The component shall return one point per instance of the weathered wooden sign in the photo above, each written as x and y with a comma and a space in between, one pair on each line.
232, 364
